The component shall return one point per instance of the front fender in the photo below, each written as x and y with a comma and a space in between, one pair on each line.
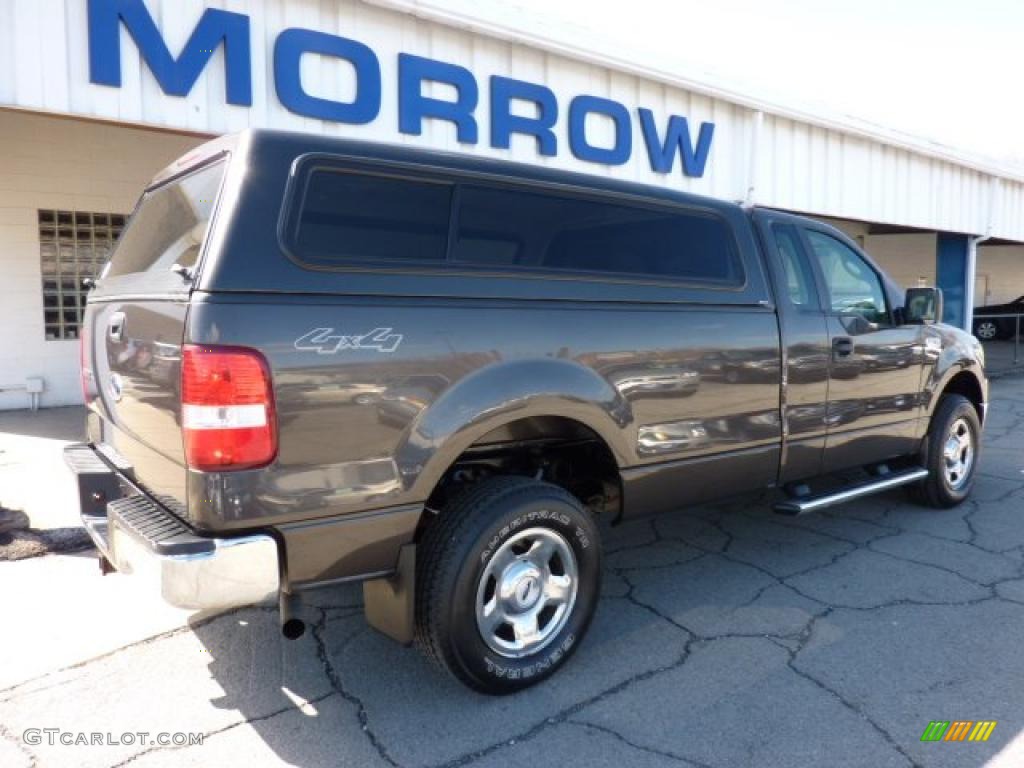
502, 393
958, 353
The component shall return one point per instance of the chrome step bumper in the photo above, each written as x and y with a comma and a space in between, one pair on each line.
139, 537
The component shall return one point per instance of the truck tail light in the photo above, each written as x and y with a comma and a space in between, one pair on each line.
228, 419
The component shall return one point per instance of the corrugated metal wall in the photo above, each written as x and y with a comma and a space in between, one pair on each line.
799, 165
806, 168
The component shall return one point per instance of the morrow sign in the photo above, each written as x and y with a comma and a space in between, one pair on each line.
177, 75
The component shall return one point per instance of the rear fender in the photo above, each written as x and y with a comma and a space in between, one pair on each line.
506, 392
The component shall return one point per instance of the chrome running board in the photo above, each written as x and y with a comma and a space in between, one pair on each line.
801, 506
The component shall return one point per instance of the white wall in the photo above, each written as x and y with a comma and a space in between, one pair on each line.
1004, 267
56, 163
804, 162
855, 230
908, 258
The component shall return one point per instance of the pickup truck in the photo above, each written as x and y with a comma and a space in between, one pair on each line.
312, 361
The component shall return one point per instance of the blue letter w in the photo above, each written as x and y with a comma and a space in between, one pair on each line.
176, 76
663, 154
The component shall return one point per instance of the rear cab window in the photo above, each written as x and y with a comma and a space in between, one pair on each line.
168, 228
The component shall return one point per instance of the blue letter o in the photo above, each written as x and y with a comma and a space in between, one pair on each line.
288, 50
579, 108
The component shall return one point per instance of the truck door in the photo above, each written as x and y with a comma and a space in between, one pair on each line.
875, 365
805, 346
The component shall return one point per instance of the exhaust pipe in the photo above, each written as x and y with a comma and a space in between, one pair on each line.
292, 627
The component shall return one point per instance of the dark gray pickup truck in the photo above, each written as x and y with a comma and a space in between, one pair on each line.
312, 361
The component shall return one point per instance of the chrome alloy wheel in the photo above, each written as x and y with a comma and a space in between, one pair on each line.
986, 330
527, 592
958, 454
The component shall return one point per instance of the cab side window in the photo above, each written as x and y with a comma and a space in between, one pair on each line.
798, 274
854, 288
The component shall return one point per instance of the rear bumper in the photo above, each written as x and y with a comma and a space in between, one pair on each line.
139, 537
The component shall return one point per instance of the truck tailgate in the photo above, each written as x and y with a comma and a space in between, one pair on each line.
134, 329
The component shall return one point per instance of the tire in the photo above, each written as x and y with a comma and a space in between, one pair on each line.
989, 330
946, 485
478, 544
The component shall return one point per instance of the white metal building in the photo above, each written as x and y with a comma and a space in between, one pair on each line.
98, 95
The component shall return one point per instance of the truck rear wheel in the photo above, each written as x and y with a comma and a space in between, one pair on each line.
951, 453
507, 580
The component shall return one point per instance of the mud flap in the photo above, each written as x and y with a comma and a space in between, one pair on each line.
389, 602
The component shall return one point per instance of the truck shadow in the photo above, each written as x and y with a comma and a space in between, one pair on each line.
343, 694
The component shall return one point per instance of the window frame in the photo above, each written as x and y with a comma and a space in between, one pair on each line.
826, 290
815, 305
305, 166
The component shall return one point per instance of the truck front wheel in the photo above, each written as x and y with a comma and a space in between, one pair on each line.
507, 580
952, 447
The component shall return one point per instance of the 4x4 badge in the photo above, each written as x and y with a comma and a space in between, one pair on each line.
324, 341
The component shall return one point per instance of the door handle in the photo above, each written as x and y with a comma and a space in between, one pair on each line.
115, 326
842, 346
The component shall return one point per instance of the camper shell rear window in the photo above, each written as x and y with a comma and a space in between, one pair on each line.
166, 230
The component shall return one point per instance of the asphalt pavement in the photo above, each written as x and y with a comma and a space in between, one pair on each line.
726, 636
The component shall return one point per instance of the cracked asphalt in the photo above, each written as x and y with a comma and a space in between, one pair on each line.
726, 636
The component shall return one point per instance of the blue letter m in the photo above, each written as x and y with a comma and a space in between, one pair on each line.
176, 76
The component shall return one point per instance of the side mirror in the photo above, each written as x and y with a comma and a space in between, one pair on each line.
923, 306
